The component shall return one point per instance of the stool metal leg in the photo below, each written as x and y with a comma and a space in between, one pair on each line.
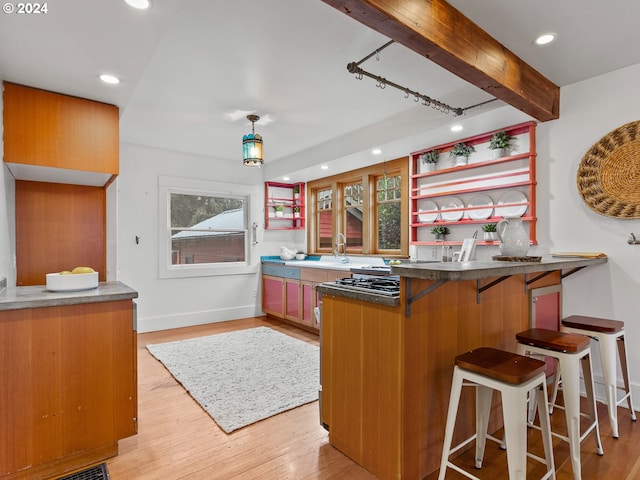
622, 351
545, 424
515, 431
608, 354
483, 409
454, 401
571, 389
591, 398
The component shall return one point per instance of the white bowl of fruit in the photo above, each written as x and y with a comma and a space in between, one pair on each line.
80, 278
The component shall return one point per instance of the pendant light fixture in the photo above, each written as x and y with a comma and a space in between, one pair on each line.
252, 145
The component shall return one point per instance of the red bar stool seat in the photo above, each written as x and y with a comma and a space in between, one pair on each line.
607, 333
513, 375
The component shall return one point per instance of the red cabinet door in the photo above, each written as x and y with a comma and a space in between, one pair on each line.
273, 295
292, 296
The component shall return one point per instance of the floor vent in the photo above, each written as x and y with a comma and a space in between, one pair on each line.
97, 472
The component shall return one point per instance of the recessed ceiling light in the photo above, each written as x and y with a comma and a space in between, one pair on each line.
286, 179
139, 4
376, 151
324, 167
456, 128
544, 39
108, 78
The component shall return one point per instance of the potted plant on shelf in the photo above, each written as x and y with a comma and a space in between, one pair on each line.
296, 191
296, 211
440, 231
500, 143
490, 232
279, 210
460, 153
429, 159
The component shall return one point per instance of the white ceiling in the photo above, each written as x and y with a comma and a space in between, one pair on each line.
193, 69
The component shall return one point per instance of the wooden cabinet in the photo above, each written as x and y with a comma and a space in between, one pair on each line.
463, 198
69, 383
289, 293
59, 227
45, 132
284, 206
386, 377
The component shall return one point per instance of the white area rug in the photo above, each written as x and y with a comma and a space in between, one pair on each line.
244, 376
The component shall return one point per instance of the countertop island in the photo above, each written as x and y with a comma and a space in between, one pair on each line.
36, 296
68, 372
386, 369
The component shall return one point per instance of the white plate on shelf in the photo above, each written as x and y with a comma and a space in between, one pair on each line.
450, 204
431, 212
512, 210
480, 213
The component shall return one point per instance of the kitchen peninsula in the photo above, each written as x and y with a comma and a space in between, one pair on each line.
386, 369
68, 376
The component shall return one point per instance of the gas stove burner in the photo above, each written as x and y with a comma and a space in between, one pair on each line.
378, 285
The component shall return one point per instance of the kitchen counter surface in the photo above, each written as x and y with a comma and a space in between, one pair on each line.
484, 269
329, 289
36, 296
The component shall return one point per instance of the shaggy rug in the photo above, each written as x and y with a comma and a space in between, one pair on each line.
244, 376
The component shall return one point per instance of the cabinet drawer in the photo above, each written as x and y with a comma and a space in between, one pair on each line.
281, 271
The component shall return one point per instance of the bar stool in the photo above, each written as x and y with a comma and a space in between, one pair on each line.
570, 351
489, 369
607, 333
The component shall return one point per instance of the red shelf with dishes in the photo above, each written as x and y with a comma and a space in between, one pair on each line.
284, 206
465, 197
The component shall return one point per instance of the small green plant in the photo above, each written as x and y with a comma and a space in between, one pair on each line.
440, 230
431, 156
296, 189
278, 208
490, 227
500, 140
462, 150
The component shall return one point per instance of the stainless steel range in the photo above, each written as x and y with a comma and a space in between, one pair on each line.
388, 286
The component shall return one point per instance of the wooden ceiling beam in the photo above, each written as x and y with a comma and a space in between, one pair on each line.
441, 33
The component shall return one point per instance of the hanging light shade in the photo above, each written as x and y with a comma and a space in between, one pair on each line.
252, 145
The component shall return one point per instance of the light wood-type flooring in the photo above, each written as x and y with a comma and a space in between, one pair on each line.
178, 440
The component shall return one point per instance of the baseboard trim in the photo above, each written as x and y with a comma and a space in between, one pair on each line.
190, 319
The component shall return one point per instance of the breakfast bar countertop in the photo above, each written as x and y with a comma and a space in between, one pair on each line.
15, 298
475, 270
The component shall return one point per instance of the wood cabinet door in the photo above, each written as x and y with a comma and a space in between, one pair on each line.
292, 300
49, 129
273, 295
59, 227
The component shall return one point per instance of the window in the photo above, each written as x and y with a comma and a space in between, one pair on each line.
203, 231
388, 212
369, 206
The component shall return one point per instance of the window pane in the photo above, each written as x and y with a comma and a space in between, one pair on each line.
324, 229
324, 219
353, 207
389, 226
207, 229
388, 211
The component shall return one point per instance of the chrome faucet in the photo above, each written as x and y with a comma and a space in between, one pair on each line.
336, 250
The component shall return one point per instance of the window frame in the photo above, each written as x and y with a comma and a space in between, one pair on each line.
368, 177
170, 185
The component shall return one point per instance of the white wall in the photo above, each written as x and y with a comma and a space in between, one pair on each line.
171, 303
588, 111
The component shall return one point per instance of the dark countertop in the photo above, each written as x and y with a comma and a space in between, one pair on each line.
484, 269
36, 296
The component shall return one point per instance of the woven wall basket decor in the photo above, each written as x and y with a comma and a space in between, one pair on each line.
609, 173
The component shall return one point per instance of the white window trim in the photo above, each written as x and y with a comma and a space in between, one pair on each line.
169, 185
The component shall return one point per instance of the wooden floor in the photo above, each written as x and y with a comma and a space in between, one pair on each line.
178, 440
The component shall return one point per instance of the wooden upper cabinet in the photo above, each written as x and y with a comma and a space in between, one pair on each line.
55, 131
